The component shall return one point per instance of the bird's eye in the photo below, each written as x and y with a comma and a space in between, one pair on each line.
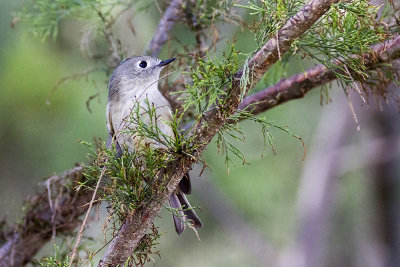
143, 64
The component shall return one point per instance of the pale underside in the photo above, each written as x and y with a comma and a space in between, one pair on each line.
123, 129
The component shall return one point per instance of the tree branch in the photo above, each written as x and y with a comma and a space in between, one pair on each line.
298, 85
134, 228
49, 213
261, 62
164, 27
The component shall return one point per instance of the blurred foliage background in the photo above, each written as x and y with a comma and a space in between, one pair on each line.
40, 130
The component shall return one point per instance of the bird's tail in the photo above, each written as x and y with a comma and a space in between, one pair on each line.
185, 213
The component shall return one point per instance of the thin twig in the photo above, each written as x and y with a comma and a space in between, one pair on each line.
78, 240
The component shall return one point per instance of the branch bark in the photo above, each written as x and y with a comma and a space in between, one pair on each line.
48, 214
300, 84
165, 25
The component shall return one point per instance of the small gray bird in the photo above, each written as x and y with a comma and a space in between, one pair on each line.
135, 81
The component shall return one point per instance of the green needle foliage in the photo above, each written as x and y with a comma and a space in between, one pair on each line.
58, 260
131, 179
347, 29
130, 182
337, 40
146, 121
44, 16
270, 16
232, 132
211, 82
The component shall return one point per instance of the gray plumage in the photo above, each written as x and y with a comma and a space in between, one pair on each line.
133, 82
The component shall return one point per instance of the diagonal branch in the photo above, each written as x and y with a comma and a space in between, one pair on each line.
261, 62
298, 85
134, 228
164, 27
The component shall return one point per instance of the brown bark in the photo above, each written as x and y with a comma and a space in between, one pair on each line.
165, 25
45, 217
298, 85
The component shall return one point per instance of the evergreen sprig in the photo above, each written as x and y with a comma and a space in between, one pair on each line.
211, 82
346, 30
269, 16
43, 17
232, 131
58, 260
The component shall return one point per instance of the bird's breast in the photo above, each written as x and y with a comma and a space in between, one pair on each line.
151, 108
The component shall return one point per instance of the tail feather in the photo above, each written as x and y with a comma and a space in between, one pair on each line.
178, 220
185, 214
184, 185
191, 215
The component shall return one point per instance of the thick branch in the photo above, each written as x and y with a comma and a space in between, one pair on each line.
261, 62
136, 226
300, 84
55, 211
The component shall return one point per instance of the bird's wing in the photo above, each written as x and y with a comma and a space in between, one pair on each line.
110, 127
111, 132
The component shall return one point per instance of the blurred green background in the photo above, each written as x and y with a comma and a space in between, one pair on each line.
39, 136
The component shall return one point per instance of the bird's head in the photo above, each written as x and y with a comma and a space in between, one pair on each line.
136, 73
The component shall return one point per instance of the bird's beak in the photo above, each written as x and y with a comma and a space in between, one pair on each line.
166, 62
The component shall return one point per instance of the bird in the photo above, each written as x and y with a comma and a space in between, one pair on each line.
135, 82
